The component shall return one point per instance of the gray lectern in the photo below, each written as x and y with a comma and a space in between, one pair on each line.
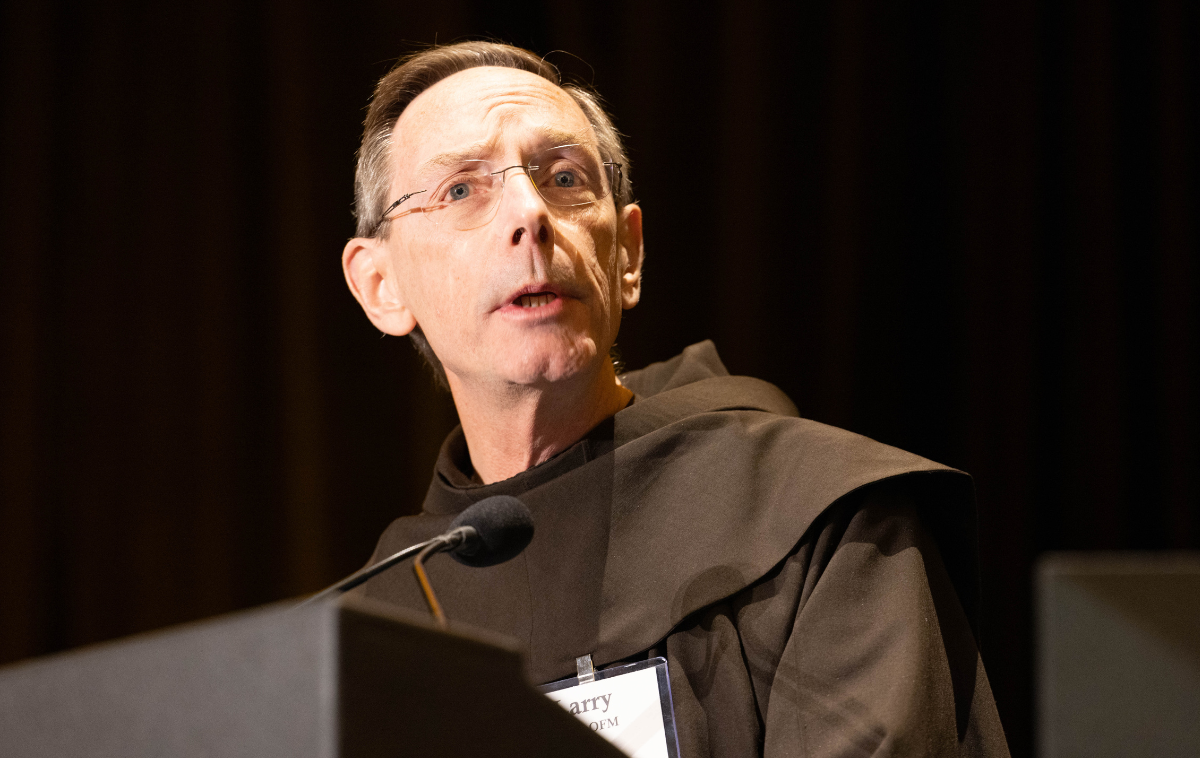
350, 679
1119, 655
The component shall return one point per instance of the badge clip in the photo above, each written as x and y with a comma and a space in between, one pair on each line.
584, 669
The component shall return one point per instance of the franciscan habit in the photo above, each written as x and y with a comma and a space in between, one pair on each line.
815, 592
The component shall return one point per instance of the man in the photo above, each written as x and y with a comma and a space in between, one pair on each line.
807, 586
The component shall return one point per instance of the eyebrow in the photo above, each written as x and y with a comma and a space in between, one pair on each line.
454, 157
549, 137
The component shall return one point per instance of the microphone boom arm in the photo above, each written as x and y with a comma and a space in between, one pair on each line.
492, 531
362, 575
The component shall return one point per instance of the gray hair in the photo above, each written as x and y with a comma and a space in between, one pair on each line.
418, 72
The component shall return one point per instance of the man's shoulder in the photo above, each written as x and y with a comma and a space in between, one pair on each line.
693, 391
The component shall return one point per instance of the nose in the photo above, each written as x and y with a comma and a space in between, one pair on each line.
524, 210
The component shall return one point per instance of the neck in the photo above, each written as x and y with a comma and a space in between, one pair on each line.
517, 428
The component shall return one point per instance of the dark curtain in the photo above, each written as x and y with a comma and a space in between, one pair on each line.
967, 230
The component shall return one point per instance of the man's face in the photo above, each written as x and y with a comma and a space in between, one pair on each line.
535, 295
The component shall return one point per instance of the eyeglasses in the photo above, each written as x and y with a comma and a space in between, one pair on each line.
566, 176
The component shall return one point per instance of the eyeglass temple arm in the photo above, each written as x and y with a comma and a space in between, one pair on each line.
618, 175
396, 204
384, 216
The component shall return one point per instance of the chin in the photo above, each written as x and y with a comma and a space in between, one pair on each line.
549, 361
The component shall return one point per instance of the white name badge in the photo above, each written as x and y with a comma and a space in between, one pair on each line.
628, 705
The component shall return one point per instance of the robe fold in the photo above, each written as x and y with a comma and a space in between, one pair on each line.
813, 591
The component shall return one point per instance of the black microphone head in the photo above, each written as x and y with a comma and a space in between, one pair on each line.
504, 526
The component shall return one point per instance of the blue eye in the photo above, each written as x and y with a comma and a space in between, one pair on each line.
565, 179
459, 191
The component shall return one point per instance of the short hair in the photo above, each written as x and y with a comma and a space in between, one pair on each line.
416, 73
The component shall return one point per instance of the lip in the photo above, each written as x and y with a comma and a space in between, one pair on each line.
510, 309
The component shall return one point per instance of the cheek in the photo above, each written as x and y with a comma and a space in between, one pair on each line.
608, 265
430, 278
452, 285
596, 240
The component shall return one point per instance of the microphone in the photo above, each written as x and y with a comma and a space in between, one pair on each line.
492, 531
496, 530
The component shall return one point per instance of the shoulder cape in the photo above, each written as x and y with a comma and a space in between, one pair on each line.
711, 480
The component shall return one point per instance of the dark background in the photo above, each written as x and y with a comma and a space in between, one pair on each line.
967, 230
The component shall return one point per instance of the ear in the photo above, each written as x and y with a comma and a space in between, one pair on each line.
629, 231
365, 264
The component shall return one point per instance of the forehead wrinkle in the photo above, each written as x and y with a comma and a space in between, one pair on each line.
525, 99
535, 95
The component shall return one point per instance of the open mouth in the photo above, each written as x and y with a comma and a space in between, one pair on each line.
535, 299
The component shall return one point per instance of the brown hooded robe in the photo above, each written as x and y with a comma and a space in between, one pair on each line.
813, 591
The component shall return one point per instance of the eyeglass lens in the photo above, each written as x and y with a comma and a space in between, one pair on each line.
567, 176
